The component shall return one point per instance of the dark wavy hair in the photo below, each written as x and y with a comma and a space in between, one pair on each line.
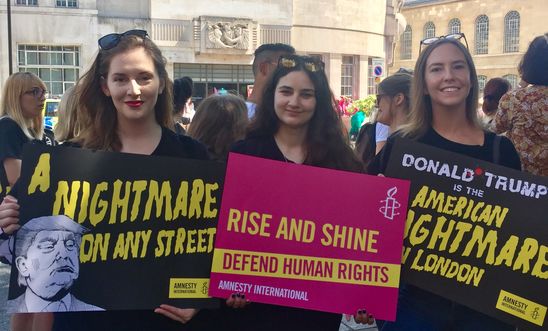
327, 143
96, 111
533, 67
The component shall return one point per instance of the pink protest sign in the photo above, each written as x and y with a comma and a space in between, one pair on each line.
309, 237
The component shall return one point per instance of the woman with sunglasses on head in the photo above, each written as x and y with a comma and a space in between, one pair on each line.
296, 123
444, 115
125, 105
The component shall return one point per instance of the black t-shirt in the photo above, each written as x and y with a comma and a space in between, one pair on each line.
495, 149
270, 317
12, 140
172, 145
264, 147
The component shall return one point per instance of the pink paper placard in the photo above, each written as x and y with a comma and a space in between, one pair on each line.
309, 237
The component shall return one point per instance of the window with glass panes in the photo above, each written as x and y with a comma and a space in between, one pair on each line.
347, 76
512, 79
429, 30
57, 66
67, 3
208, 78
406, 43
481, 82
511, 32
482, 34
27, 2
454, 26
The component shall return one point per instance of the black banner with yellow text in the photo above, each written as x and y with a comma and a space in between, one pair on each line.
476, 233
144, 227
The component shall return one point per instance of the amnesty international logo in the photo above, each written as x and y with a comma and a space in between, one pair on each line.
181, 288
390, 204
521, 307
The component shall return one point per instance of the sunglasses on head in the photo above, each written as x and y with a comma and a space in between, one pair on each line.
112, 40
37, 92
455, 36
312, 64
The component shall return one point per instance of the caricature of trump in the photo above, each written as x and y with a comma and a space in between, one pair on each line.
47, 258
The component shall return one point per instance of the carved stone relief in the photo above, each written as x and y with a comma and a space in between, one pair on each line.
227, 35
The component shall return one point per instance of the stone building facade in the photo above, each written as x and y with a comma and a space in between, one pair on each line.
498, 32
211, 41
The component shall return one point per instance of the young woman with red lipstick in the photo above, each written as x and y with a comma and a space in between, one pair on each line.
444, 98
125, 105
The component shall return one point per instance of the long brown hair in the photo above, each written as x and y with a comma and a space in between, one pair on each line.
327, 145
14, 87
420, 117
219, 122
96, 111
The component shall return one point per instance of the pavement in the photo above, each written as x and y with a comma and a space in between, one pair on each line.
4, 286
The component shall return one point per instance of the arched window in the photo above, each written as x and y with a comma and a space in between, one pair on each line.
406, 43
482, 79
511, 32
512, 79
429, 30
482, 34
454, 26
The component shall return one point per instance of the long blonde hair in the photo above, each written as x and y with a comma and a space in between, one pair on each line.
68, 125
16, 85
420, 117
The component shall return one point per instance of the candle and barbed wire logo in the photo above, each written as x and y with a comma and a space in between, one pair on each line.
390, 204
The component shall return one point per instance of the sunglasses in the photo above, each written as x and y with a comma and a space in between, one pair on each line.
112, 40
455, 36
309, 63
37, 92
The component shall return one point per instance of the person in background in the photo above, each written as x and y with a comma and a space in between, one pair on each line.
492, 92
392, 102
264, 63
356, 122
183, 109
67, 127
296, 123
125, 105
21, 121
523, 112
219, 122
444, 94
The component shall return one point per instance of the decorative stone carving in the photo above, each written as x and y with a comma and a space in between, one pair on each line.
227, 35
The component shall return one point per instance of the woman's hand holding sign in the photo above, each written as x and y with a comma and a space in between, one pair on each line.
182, 315
9, 215
237, 300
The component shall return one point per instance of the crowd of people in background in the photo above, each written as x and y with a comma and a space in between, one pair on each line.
126, 103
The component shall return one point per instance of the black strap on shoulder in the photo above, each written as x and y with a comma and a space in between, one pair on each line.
496, 149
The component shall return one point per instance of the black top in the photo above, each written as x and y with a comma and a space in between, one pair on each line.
12, 140
495, 149
173, 145
264, 147
265, 317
